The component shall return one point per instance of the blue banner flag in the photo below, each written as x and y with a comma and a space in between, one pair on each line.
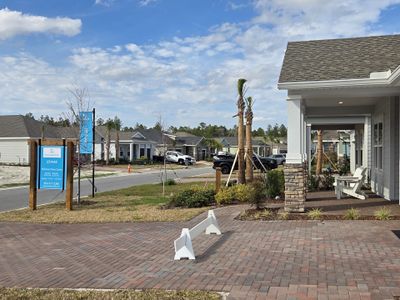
52, 171
86, 132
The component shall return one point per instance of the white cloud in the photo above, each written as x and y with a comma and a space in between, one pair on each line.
146, 2
104, 2
191, 79
14, 23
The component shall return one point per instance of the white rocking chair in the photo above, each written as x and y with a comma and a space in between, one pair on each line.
351, 185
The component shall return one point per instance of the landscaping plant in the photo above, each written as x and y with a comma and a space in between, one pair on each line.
244, 193
225, 196
259, 194
283, 215
352, 214
383, 214
275, 183
193, 197
315, 214
249, 145
170, 182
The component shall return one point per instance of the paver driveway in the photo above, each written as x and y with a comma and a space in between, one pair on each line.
282, 259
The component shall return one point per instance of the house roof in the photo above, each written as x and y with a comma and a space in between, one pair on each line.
188, 140
233, 141
350, 58
13, 126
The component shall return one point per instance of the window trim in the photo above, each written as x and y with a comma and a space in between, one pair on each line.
378, 139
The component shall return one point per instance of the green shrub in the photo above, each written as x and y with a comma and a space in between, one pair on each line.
193, 197
275, 183
315, 214
327, 181
244, 193
383, 214
352, 214
258, 200
313, 183
170, 182
226, 195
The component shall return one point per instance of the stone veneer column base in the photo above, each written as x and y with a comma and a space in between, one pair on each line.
295, 194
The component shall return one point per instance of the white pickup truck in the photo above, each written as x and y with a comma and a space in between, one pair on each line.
177, 157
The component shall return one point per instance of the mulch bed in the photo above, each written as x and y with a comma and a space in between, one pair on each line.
275, 214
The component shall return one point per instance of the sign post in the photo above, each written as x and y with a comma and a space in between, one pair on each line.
70, 176
33, 173
51, 168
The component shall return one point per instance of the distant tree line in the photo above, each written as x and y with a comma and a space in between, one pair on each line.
273, 132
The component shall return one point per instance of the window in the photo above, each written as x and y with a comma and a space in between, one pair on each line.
378, 145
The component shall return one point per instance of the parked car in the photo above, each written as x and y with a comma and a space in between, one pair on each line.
280, 158
225, 162
178, 157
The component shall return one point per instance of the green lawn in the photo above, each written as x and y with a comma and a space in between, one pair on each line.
137, 203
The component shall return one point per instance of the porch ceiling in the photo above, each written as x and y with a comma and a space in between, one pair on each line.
350, 96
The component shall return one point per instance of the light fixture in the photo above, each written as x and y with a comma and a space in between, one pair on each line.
340, 102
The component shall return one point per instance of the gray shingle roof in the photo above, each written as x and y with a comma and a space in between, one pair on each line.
188, 140
233, 141
21, 126
351, 58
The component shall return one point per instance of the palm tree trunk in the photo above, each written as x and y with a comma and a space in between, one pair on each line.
117, 151
249, 152
318, 169
108, 148
241, 164
241, 107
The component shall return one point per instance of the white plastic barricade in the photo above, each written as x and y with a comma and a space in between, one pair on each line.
183, 244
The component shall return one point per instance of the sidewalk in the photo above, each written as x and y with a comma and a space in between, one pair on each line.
269, 260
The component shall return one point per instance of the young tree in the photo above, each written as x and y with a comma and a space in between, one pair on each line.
117, 124
109, 126
318, 169
249, 142
241, 107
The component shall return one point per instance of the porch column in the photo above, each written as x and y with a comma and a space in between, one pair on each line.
295, 130
353, 144
308, 146
367, 147
137, 151
294, 170
131, 151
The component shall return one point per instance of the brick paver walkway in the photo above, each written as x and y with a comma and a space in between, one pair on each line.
266, 260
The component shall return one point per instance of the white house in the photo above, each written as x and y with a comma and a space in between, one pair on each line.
17, 130
348, 84
133, 145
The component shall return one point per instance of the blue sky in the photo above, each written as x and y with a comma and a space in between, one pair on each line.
174, 59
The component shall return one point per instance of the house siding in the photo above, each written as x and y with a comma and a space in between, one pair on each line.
14, 151
384, 182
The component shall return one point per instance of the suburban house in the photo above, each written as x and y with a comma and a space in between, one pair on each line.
190, 144
133, 145
17, 130
230, 145
147, 143
344, 84
338, 141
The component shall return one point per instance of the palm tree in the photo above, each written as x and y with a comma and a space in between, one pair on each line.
241, 106
318, 169
249, 144
109, 126
117, 124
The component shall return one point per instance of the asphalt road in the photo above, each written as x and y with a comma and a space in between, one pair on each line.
15, 198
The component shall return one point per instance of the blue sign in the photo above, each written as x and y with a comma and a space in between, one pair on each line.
86, 132
52, 171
